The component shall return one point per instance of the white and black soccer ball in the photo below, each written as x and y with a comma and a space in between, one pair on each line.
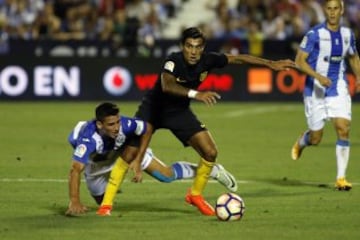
229, 207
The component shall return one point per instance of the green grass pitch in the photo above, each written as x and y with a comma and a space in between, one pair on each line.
284, 199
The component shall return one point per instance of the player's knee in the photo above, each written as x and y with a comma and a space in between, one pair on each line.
163, 178
343, 132
210, 154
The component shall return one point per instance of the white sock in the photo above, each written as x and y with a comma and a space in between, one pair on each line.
304, 140
342, 157
186, 170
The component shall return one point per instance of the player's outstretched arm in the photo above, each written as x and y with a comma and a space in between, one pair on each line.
169, 85
75, 206
354, 62
303, 66
208, 97
275, 65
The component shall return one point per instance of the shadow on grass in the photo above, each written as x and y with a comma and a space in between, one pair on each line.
294, 183
290, 188
127, 207
54, 216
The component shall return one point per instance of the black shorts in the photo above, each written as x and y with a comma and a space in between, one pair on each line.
182, 122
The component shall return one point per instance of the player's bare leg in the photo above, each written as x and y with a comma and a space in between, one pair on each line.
308, 138
203, 143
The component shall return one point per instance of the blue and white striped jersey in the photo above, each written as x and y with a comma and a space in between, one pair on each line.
88, 143
327, 52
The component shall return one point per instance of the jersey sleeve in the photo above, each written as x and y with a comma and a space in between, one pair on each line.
82, 151
352, 50
83, 146
308, 42
216, 60
133, 126
170, 65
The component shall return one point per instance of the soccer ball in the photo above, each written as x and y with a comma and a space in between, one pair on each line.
229, 207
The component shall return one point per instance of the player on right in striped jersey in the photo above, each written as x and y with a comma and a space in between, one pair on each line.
322, 56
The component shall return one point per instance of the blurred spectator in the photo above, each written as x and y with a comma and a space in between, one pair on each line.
273, 26
255, 39
133, 22
352, 12
46, 24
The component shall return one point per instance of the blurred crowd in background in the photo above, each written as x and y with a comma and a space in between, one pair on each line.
129, 22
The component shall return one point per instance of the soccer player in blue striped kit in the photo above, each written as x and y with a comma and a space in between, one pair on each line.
97, 143
322, 56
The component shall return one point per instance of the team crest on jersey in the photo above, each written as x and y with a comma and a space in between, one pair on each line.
304, 42
80, 150
169, 65
119, 141
203, 75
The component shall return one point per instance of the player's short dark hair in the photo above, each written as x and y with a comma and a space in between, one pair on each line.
106, 109
192, 32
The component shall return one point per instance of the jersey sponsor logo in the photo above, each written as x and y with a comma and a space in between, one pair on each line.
80, 150
179, 80
169, 65
117, 81
333, 59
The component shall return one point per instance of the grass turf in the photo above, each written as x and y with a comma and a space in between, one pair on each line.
284, 199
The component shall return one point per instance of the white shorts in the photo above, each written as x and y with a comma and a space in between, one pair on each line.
320, 109
96, 180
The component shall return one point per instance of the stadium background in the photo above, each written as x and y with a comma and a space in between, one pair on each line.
47, 78
113, 49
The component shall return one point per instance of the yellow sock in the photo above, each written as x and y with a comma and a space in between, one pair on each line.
202, 175
116, 178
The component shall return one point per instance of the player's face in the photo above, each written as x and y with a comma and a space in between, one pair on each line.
192, 50
333, 11
109, 127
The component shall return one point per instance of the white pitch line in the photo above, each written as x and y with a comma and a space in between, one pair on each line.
47, 180
253, 111
258, 110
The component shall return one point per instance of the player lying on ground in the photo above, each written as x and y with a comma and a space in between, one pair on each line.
96, 143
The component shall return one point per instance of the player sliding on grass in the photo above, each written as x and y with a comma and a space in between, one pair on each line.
167, 106
97, 143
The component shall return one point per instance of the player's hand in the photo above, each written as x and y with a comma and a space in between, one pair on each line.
209, 98
136, 167
76, 208
282, 65
324, 81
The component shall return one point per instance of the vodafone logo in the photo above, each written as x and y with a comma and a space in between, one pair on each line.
117, 81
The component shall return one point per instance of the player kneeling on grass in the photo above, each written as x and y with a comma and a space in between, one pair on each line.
96, 146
